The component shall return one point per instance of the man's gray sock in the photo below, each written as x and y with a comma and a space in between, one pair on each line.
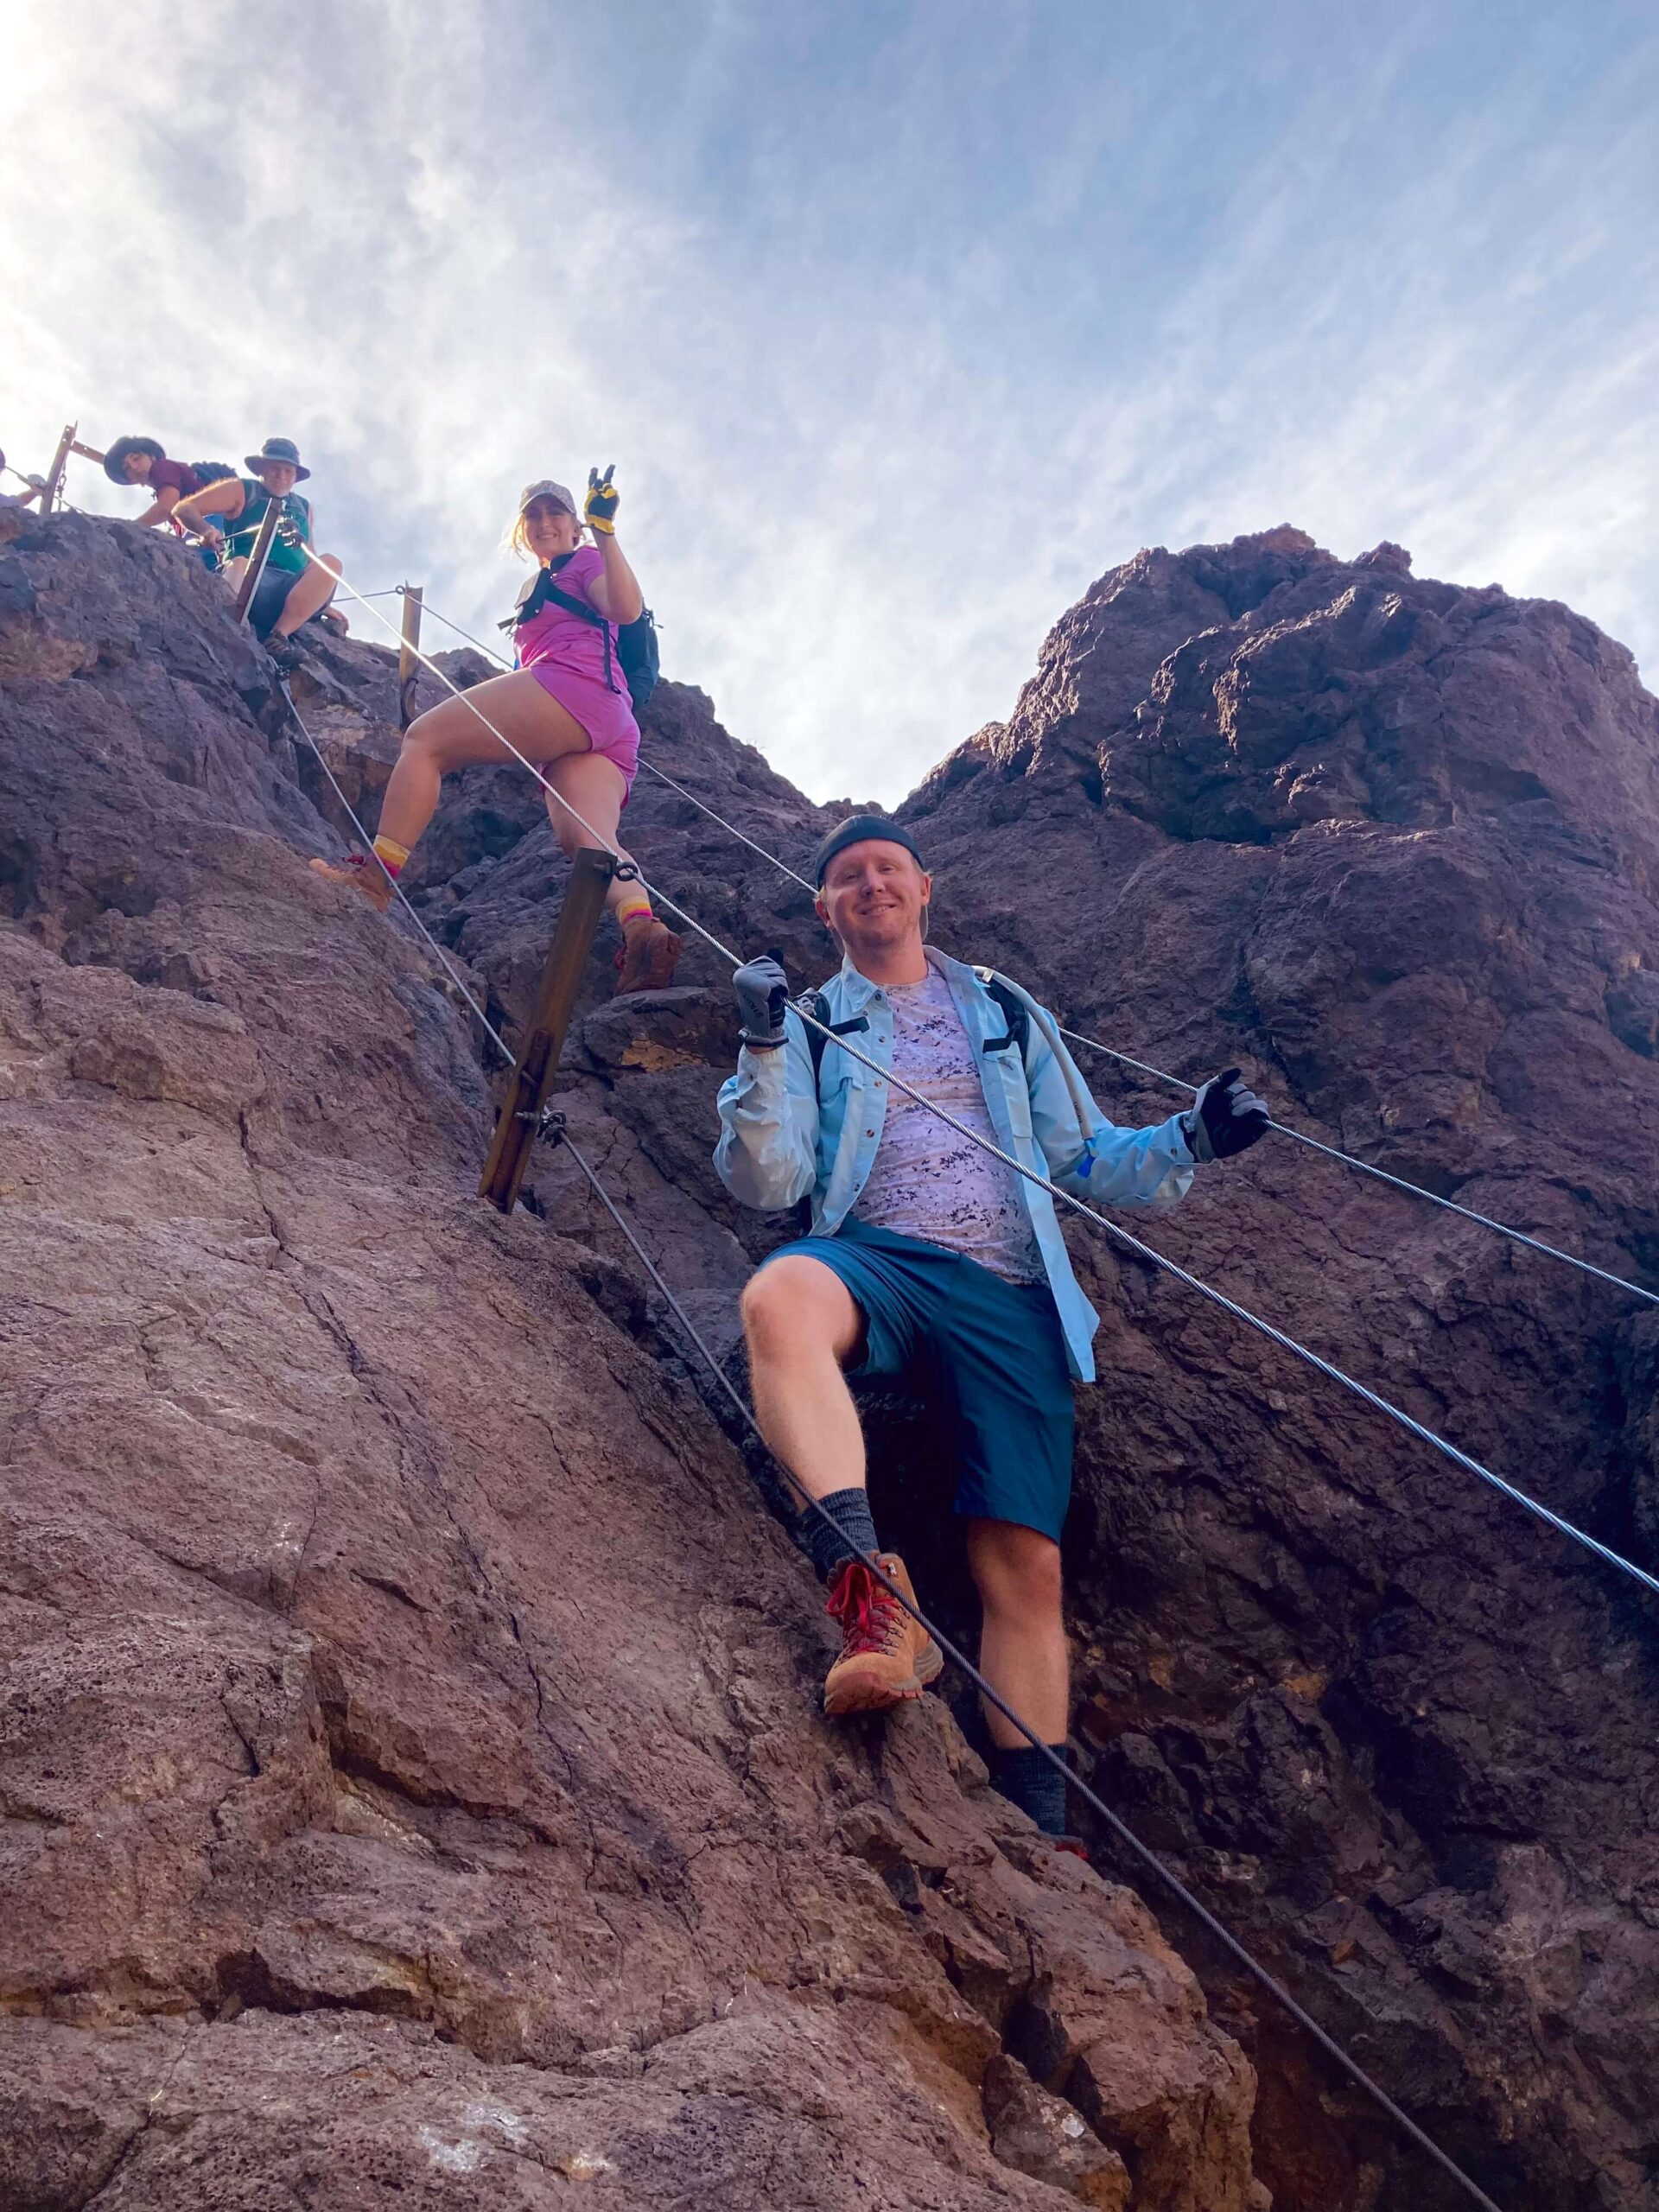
1026, 1776
853, 1531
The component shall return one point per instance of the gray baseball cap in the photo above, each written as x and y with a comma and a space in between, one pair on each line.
547, 489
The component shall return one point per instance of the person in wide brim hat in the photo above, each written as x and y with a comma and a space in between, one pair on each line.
281, 450
297, 584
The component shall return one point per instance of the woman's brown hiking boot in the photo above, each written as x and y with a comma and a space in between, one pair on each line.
364, 873
646, 960
886, 1656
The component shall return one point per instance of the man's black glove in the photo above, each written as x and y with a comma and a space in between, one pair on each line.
1227, 1117
762, 990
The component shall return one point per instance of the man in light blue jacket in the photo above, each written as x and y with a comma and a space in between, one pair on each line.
931, 1259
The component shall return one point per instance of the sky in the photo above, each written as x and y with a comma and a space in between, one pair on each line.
901, 323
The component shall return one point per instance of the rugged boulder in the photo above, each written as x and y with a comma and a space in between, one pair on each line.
1392, 845
409, 1779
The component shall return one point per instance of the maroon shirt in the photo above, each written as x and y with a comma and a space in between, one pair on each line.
172, 476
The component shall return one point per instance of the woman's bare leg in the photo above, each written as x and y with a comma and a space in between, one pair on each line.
451, 736
596, 789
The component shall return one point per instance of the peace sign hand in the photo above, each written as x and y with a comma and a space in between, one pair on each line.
599, 509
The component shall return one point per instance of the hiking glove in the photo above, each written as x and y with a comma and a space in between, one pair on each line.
1227, 1117
598, 508
762, 991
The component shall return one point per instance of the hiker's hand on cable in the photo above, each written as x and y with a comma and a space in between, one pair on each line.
1227, 1117
762, 992
598, 508
211, 535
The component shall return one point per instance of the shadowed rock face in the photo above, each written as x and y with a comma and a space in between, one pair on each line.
1392, 846
409, 1781
411, 1787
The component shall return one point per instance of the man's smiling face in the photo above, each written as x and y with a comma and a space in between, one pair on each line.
873, 896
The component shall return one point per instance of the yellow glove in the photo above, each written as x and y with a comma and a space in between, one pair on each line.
598, 508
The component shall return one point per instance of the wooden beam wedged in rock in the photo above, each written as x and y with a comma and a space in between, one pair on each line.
519, 1119
408, 666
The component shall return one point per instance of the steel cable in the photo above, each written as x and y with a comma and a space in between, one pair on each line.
1142, 1854
1114, 1230
1076, 1037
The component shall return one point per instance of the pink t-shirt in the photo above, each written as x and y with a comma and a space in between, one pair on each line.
564, 639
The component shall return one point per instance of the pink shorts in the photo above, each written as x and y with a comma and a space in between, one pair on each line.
606, 716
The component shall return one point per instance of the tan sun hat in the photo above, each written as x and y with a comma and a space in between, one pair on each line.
547, 489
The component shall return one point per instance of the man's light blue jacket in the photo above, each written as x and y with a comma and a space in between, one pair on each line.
781, 1140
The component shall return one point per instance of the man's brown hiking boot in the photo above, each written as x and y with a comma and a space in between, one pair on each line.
885, 1655
646, 960
364, 873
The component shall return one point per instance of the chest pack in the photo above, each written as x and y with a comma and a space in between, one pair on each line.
636, 641
815, 1003
293, 523
1008, 1003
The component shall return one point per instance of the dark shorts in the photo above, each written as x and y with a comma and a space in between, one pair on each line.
270, 597
991, 1354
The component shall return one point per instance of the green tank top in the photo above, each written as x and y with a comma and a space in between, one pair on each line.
293, 530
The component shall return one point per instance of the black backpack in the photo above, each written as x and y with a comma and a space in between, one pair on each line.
636, 641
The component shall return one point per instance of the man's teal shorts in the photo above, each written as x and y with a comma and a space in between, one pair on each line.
990, 1354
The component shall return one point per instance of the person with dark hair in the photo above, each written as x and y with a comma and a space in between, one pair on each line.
141, 461
930, 1258
293, 589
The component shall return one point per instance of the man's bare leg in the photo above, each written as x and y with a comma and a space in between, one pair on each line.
1022, 1650
1022, 1654
802, 1322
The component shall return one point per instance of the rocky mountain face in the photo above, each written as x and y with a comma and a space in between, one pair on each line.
411, 1784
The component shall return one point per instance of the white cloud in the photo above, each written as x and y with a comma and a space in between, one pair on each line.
892, 358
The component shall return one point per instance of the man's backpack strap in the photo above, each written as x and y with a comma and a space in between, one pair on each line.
815, 1004
1009, 1005
1020, 1010
1012, 1008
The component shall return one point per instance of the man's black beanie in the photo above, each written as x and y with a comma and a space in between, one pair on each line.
858, 830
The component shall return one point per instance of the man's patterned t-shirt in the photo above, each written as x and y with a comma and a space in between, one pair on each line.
926, 1181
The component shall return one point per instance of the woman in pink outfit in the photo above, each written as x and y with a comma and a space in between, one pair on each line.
565, 707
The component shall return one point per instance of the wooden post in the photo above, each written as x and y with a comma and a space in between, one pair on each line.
520, 1117
256, 559
409, 668
54, 491
87, 452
